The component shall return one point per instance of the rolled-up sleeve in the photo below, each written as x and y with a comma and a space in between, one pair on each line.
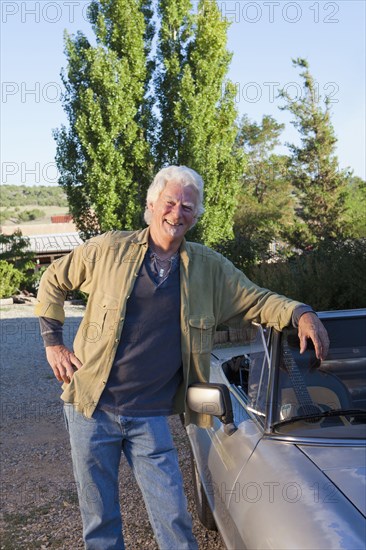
51, 332
68, 273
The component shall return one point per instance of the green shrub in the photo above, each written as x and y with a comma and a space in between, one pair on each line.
10, 279
6, 214
30, 215
15, 249
330, 277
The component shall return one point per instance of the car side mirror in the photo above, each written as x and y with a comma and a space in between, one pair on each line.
212, 399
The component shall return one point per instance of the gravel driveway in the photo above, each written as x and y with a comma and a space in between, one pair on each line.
38, 496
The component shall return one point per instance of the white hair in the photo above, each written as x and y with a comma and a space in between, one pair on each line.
186, 177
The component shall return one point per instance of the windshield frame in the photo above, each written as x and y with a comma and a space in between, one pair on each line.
273, 422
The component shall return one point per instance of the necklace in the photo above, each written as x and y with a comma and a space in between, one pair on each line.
162, 266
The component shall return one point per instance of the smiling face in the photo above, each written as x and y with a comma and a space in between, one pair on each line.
173, 213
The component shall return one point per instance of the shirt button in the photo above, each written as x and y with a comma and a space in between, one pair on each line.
116, 340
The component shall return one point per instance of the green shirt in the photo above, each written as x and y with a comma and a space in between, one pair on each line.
212, 292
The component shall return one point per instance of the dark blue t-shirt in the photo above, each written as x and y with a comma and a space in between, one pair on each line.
147, 368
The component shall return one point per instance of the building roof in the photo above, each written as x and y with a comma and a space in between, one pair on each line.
54, 243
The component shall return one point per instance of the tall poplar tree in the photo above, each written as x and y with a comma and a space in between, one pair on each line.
174, 33
197, 105
103, 156
321, 186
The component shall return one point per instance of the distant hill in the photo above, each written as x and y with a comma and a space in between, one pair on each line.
39, 195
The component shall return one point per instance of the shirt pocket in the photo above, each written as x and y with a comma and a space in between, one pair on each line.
101, 319
201, 333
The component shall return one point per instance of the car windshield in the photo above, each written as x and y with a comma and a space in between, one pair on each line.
326, 398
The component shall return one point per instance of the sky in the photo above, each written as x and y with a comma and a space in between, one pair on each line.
264, 37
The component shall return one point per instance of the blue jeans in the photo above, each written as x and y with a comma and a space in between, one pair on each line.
96, 446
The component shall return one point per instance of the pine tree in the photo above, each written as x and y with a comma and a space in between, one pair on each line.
320, 184
355, 218
265, 205
104, 156
266, 202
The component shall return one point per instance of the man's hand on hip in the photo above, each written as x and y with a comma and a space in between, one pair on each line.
63, 362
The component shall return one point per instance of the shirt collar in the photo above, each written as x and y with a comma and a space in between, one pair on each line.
142, 237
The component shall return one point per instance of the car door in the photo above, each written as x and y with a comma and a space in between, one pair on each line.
221, 457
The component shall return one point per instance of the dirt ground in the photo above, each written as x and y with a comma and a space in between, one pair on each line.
38, 496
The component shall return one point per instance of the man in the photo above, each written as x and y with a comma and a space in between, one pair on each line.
154, 302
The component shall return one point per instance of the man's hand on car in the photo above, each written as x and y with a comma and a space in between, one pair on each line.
311, 327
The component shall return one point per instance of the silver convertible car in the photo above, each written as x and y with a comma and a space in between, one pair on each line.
284, 465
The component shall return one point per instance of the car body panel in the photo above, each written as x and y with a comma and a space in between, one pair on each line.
289, 503
345, 467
